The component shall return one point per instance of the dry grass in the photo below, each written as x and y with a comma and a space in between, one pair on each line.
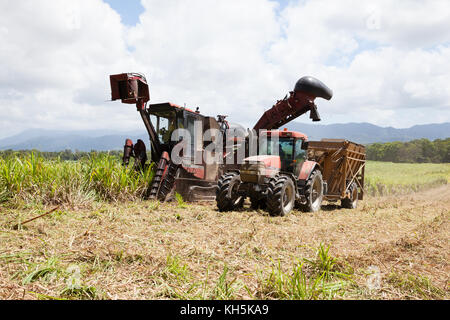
390, 248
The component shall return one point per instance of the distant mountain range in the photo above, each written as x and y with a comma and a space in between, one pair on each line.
57, 140
103, 140
366, 133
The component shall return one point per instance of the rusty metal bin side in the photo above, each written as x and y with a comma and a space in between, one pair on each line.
342, 162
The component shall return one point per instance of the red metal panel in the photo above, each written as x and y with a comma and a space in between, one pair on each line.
129, 87
307, 168
285, 111
197, 171
286, 134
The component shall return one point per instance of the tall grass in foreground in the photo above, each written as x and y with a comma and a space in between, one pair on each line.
320, 278
384, 178
31, 178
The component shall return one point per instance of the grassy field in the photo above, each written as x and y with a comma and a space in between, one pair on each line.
35, 180
103, 242
387, 178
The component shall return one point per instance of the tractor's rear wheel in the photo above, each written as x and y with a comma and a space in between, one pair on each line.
352, 202
281, 196
313, 193
227, 197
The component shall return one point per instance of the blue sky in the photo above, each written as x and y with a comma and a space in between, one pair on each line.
130, 10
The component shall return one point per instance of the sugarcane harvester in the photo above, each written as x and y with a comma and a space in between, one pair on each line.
193, 182
290, 172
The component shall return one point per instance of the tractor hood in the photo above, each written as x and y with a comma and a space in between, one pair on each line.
268, 161
256, 168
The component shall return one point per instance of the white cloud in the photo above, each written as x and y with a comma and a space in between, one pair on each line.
381, 68
387, 62
208, 53
55, 60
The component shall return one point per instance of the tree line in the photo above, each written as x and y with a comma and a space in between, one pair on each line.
416, 151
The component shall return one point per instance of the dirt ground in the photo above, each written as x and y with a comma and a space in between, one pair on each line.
393, 247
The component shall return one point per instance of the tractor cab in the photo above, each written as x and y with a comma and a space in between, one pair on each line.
279, 151
289, 146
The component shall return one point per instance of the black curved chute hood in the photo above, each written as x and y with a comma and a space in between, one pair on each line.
314, 87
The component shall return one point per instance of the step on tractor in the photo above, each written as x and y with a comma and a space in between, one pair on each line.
291, 172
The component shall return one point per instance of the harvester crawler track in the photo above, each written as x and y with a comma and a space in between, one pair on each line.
168, 183
159, 175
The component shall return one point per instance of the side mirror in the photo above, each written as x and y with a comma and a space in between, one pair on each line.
305, 145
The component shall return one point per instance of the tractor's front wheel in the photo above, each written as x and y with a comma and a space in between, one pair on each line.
227, 197
313, 193
281, 196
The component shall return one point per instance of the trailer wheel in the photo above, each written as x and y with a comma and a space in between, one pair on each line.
352, 202
281, 196
227, 197
313, 193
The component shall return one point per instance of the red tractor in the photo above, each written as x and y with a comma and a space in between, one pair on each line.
278, 181
286, 173
300, 175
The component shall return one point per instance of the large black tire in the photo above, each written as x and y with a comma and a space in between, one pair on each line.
280, 196
226, 196
313, 193
352, 202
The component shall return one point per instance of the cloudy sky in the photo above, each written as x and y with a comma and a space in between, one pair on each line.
388, 62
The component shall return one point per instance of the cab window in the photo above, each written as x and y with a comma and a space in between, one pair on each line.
285, 149
165, 123
300, 155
